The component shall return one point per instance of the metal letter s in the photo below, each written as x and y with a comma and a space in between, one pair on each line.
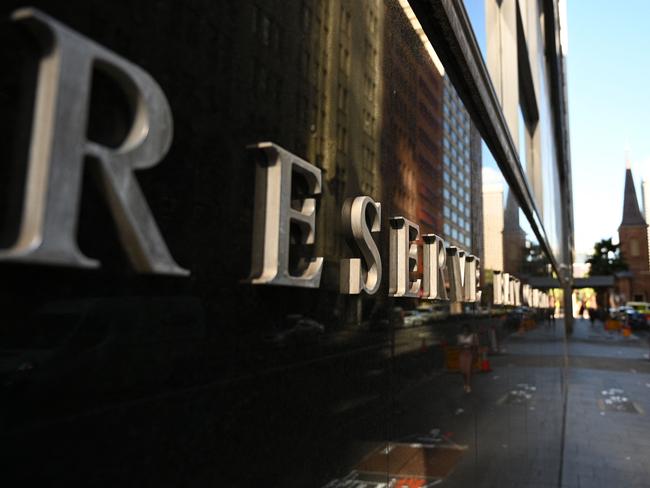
354, 276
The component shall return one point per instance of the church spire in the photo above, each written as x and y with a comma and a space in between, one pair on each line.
631, 214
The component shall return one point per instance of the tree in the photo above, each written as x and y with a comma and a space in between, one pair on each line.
535, 261
606, 259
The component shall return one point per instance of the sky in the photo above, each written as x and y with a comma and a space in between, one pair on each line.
608, 65
608, 74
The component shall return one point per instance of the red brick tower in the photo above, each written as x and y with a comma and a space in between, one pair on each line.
633, 236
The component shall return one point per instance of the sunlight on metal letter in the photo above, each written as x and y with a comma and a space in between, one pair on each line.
59, 145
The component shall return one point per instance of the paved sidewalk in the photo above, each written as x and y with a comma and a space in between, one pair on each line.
512, 424
607, 429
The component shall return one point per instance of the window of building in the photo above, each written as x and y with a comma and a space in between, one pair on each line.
254, 19
634, 248
342, 97
341, 138
344, 59
345, 22
306, 18
266, 30
367, 122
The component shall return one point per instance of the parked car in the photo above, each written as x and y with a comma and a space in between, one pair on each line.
641, 307
382, 318
296, 329
517, 316
429, 313
635, 320
413, 318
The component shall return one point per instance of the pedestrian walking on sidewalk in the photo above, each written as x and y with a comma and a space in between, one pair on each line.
468, 343
581, 311
551, 315
592, 315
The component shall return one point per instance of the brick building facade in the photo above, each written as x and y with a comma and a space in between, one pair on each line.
633, 236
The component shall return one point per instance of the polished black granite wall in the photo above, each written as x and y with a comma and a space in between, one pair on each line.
114, 378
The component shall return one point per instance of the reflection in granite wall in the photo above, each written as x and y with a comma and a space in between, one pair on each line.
115, 378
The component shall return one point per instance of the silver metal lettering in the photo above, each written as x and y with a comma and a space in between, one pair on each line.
515, 292
355, 277
506, 289
274, 215
434, 258
501, 288
58, 147
535, 301
527, 294
403, 257
456, 273
470, 278
497, 288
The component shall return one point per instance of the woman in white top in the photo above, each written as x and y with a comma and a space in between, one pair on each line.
467, 341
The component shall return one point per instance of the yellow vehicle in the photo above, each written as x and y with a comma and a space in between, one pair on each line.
641, 307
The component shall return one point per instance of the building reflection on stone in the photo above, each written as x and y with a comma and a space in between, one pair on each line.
206, 379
